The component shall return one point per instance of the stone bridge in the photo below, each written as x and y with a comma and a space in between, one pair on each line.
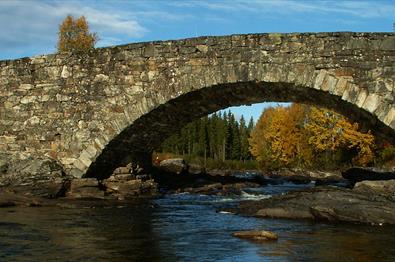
94, 112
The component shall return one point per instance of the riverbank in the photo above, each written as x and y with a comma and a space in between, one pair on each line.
36, 182
348, 196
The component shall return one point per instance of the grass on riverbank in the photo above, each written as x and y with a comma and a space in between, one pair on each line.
210, 163
384, 162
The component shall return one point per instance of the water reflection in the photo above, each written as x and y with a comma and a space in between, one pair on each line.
178, 228
323, 242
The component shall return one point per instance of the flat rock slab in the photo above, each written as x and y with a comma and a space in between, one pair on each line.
305, 176
385, 188
326, 204
256, 235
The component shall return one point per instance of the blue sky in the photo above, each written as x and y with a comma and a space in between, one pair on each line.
30, 27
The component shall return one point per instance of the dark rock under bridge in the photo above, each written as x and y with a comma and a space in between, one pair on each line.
94, 112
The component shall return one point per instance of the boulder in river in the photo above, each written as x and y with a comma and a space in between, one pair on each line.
85, 188
384, 188
297, 175
42, 177
357, 174
130, 188
256, 235
174, 165
328, 204
129, 182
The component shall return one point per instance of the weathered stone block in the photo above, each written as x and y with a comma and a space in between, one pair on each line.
371, 102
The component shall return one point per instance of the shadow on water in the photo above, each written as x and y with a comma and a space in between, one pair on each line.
80, 234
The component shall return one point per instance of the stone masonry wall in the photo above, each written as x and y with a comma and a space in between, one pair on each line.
95, 112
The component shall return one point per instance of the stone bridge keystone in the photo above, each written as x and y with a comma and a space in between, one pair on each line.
95, 112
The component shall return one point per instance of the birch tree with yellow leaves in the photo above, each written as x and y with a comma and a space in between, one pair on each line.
74, 35
301, 136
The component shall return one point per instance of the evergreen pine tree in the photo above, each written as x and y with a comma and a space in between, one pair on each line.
244, 152
236, 143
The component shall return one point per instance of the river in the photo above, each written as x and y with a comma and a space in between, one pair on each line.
180, 227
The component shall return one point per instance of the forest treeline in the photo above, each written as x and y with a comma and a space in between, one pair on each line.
218, 136
295, 136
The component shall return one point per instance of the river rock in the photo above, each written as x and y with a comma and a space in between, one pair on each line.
130, 188
125, 187
123, 170
129, 182
326, 203
256, 235
32, 176
383, 187
210, 189
297, 175
85, 188
357, 174
121, 177
174, 165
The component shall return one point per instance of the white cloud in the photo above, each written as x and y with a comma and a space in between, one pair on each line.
363, 9
34, 24
103, 22
161, 15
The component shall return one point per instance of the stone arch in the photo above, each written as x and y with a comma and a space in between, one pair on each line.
138, 140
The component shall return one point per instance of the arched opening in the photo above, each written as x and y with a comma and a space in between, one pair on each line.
145, 134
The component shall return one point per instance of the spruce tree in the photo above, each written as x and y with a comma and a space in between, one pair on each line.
244, 152
236, 143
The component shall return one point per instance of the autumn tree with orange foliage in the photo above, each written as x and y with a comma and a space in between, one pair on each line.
74, 36
299, 136
363, 143
330, 131
278, 139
